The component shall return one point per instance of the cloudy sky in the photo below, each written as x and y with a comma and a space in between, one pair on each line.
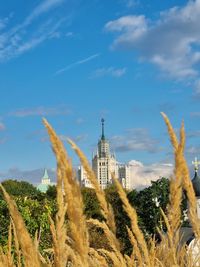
75, 61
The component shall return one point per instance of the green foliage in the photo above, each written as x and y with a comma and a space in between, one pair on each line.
121, 218
4, 222
51, 192
91, 204
36, 216
35, 208
148, 203
19, 188
35, 213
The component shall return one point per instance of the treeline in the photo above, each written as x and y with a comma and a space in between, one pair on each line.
36, 207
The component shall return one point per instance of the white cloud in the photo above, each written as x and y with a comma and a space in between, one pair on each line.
3, 140
136, 163
195, 114
2, 126
69, 34
132, 28
142, 175
193, 134
197, 87
4, 21
40, 111
131, 3
193, 150
79, 62
32, 176
80, 121
76, 139
20, 38
55, 35
136, 139
44, 7
111, 71
170, 42
167, 107
2, 24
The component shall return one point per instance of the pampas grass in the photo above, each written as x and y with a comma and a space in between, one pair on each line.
71, 202
70, 230
106, 208
31, 255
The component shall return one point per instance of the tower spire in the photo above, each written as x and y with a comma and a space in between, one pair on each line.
196, 164
102, 125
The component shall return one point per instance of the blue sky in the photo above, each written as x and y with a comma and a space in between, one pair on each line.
75, 61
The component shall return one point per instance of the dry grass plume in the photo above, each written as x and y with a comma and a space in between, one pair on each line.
70, 229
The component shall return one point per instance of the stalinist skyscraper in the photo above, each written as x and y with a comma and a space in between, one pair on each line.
103, 162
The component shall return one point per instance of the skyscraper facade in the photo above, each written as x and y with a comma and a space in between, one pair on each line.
104, 163
124, 172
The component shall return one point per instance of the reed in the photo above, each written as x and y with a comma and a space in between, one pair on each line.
106, 208
31, 255
71, 202
70, 230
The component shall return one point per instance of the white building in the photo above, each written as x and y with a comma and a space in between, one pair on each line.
196, 185
187, 233
82, 176
45, 182
125, 175
103, 164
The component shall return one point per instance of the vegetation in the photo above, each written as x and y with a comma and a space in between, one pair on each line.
111, 228
35, 207
19, 188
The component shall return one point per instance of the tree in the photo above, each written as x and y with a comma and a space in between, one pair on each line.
19, 188
4, 222
34, 207
121, 218
91, 204
51, 192
36, 217
148, 202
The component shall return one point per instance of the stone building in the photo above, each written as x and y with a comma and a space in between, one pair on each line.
45, 182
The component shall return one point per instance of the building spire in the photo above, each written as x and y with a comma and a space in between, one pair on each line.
45, 176
196, 164
102, 125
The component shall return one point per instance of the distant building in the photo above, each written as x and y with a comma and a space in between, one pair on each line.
82, 176
45, 182
125, 175
187, 232
196, 185
103, 164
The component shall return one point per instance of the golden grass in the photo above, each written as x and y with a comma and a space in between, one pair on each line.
106, 208
71, 246
72, 203
134, 223
30, 254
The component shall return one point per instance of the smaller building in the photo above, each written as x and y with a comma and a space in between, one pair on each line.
125, 175
196, 185
45, 182
82, 177
187, 233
